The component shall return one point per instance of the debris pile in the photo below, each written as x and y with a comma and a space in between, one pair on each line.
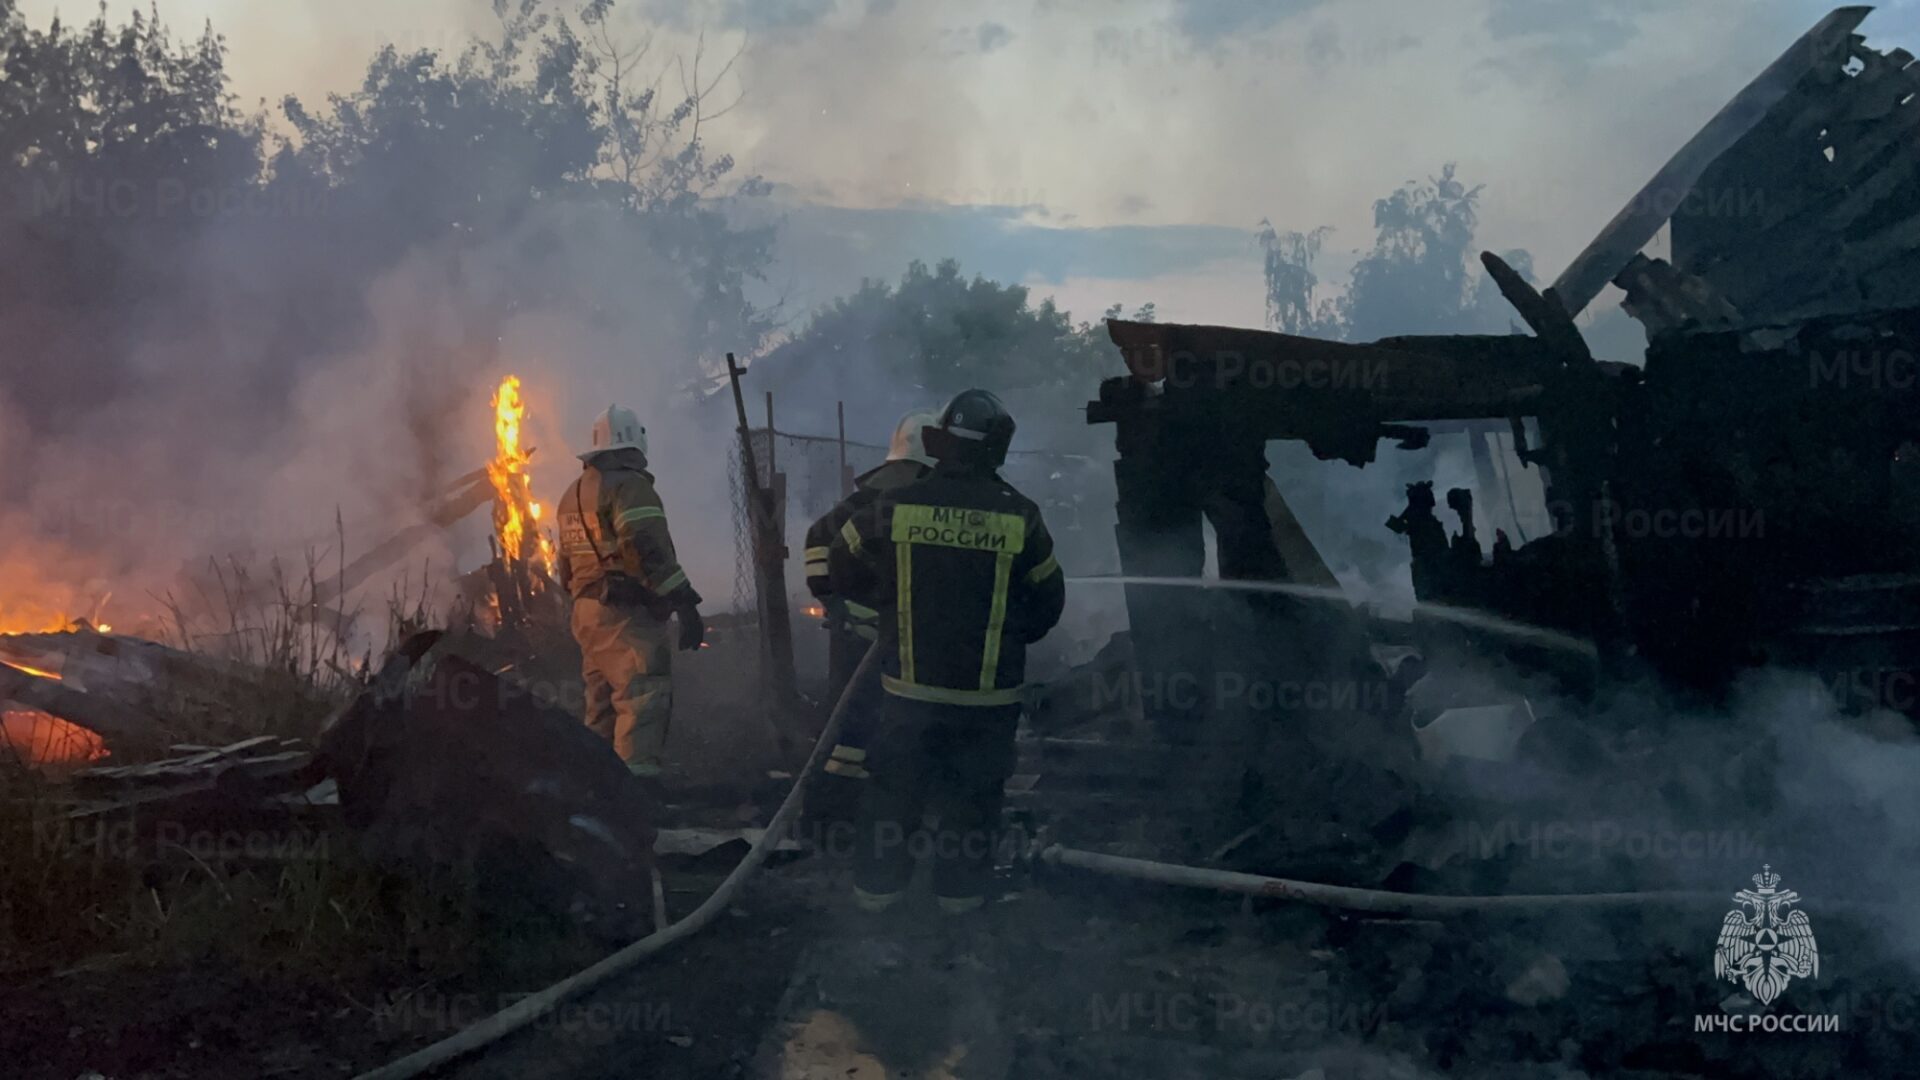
437, 766
443, 765
95, 691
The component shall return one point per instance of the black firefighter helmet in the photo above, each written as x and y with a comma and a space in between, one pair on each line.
975, 430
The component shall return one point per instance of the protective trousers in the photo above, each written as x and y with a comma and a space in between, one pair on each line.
953, 760
836, 796
627, 662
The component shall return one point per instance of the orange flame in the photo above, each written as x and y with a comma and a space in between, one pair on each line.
35, 603
13, 620
44, 739
28, 617
40, 738
515, 512
31, 670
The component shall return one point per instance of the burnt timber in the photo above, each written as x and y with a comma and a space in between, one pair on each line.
1745, 494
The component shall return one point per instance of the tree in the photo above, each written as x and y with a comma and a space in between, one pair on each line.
1291, 282
1417, 278
107, 134
1422, 275
949, 332
1144, 313
548, 111
117, 102
159, 237
886, 349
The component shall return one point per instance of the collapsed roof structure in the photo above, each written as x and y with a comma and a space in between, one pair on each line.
1747, 494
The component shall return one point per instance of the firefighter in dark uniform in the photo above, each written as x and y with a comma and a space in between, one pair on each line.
962, 569
854, 621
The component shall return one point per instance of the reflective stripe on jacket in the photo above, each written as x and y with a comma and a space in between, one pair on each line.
611, 522
861, 616
962, 568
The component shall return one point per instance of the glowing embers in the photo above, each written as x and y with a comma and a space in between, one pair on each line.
40, 738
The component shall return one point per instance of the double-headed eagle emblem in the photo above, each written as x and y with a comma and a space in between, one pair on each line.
1763, 945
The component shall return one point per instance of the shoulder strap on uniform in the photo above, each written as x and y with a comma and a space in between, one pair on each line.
584, 526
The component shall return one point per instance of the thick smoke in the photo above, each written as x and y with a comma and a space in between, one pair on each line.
238, 357
192, 460
1641, 791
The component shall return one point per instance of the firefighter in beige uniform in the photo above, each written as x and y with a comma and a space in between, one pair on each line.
617, 561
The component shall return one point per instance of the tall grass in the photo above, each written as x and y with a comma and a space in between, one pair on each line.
73, 893
277, 888
286, 647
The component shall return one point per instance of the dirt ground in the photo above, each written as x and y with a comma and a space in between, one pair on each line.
123, 1022
1065, 976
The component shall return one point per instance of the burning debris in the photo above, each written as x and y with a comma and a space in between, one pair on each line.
439, 764
37, 603
516, 588
1692, 532
79, 695
1275, 742
43, 739
1622, 679
443, 765
516, 516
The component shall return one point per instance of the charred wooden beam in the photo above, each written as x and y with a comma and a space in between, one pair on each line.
1665, 299
1304, 564
120, 725
1340, 398
766, 504
1544, 314
1824, 46
454, 508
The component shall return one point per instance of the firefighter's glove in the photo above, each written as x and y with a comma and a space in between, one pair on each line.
693, 629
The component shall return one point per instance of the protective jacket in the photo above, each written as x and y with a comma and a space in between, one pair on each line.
860, 612
614, 543
961, 567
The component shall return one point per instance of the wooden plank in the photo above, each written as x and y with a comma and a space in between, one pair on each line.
765, 519
1545, 315
1868, 101
441, 517
246, 744
1665, 298
1640, 220
1891, 245
110, 721
1858, 148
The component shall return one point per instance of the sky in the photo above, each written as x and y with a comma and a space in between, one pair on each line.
1124, 151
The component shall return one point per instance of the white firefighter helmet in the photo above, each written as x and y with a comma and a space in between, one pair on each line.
617, 429
908, 444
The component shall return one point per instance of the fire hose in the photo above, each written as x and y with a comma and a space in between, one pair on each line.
1373, 901
1401, 904
530, 1009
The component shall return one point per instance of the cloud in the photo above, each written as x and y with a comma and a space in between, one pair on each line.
776, 15
1303, 113
1579, 30
826, 251
1208, 21
1164, 112
957, 42
753, 16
